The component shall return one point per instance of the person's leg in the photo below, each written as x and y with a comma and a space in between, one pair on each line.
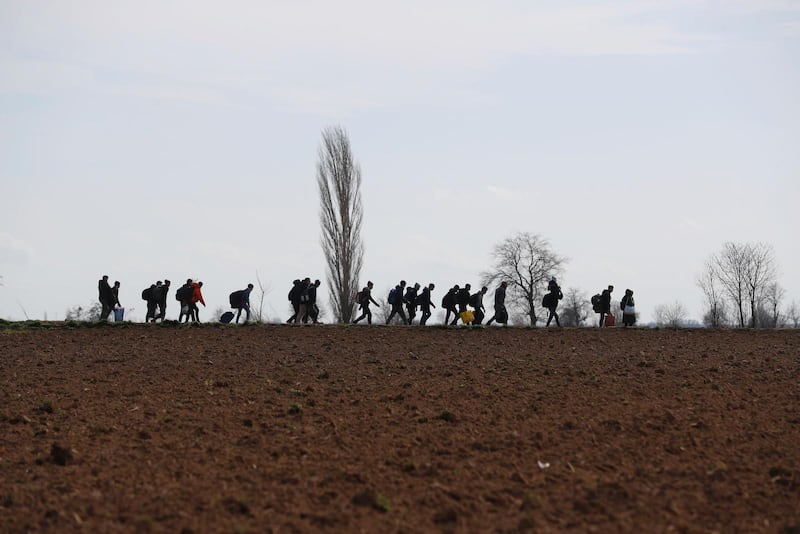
479, 315
602, 319
369, 315
238, 314
426, 312
402, 314
455, 316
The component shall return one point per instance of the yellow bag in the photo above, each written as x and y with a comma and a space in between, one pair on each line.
467, 317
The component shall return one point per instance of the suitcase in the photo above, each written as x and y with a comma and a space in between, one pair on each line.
226, 317
610, 320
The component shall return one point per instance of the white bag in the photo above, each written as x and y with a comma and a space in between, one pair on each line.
629, 310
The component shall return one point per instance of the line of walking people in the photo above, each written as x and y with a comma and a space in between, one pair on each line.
406, 299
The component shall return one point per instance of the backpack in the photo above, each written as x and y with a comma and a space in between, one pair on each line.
596, 303
547, 300
183, 293
147, 294
235, 298
473, 300
393, 296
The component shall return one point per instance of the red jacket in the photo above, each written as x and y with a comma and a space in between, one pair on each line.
197, 295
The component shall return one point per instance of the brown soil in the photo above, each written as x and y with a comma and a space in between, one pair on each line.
398, 429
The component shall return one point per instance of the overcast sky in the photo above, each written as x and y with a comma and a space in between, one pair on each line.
155, 139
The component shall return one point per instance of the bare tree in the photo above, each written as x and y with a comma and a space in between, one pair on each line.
670, 314
526, 262
761, 272
575, 308
792, 315
709, 283
341, 215
744, 271
770, 314
258, 308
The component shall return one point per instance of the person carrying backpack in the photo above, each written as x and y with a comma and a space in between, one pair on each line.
150, 296
462, 299
396, 301
476, 301
240, 300
410, 299
294, 299
425, 304
500, 312
365, 297
449, 304
106, 297
604, 305
550, 300
184, 296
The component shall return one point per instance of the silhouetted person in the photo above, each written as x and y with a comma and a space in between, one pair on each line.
150, 296
313, 309
240, 300
365, 297
294, 299
500, 312
449, 304
302, 301
162, 300
197, 296
425, 303
462, 299
476, 301
628, 312
551, 299
410, 299
605, 304
397, 302
106, 297
184, 296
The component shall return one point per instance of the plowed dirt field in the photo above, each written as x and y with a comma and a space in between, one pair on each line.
139, 428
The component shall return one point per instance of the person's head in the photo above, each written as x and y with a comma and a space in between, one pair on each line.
416, 286
431, 286
610, 289
296, 282
369, 284
249, 286
456, 288
629, 292
152, 286
307, 280
158, 283
317, 283
199, 284
402, 283
553, 279
105, 278
167, 282
116, 283
503, 283
188, 281
484, 289
467, 287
